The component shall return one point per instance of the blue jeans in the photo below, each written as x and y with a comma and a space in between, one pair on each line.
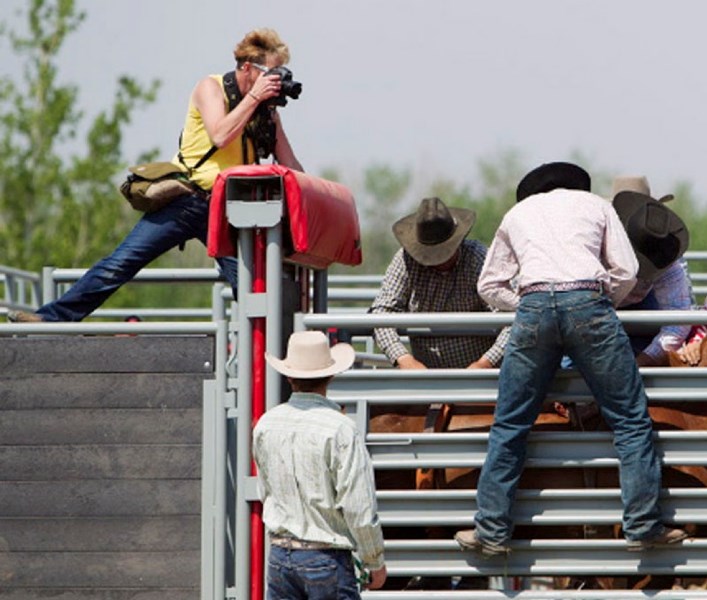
640, 342
154, 234
311, 575
584, 326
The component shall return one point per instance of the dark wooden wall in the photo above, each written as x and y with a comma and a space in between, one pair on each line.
100, 462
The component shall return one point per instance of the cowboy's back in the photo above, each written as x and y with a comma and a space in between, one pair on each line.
316, 476
559, 259
559, 236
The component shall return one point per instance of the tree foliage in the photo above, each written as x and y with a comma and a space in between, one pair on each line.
56, 204
58, 198
389, 193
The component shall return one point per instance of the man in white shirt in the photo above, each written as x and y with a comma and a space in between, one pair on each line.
562, 260
316, 480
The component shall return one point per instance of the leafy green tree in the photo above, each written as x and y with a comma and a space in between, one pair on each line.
494, 193
385, 190
60, 206
52, 203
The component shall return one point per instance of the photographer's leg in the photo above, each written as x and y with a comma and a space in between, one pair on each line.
153, 235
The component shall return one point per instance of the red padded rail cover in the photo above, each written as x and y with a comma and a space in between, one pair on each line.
322, 214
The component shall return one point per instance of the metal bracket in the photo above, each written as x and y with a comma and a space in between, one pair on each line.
255, 305
254, 214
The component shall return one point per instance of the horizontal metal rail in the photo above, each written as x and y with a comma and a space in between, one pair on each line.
423, 508
147, 275
561, 449
151, 328
539, 595
471, 322
480, 386
546, 557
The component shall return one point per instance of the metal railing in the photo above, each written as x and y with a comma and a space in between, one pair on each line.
360, 390
22, 289
348, 293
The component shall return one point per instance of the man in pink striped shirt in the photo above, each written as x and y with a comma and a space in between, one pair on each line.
562, 260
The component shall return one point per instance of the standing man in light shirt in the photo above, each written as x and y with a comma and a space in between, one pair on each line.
561, 259
316, 480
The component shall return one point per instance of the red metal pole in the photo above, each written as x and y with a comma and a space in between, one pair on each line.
257, 535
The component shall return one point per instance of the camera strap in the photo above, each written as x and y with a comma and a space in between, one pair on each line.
260, 129
233, 93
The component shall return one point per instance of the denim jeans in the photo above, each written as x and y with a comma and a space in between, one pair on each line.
584, 326
311, 575
640, 342
154, 234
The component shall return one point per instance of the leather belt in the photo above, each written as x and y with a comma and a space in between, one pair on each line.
295, 544
564, 286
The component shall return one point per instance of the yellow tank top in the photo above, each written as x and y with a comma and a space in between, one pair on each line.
196, 143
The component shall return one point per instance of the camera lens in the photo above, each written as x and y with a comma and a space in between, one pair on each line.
292, 88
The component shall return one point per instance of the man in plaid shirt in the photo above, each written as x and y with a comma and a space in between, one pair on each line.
436, 270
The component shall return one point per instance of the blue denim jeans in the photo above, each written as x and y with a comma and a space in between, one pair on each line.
311, 575
154, 234
641, 342
584, 326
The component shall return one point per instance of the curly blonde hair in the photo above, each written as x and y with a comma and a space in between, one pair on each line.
258, 44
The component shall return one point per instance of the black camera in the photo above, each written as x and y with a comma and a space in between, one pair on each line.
289, 87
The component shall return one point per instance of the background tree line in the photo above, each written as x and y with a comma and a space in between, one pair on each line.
60, 205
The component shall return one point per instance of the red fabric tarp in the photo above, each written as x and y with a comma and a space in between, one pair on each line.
323, 223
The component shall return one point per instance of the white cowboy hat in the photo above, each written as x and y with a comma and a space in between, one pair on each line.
310, 357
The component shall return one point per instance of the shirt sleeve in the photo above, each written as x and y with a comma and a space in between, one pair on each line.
356, 498
393, 297
495, 353
500, 267
673, 291
618, 257
697, 334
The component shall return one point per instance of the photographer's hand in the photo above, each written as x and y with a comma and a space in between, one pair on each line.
265, 87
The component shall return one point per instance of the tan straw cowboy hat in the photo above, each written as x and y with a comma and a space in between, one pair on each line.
635, 183
433, 233
310, 357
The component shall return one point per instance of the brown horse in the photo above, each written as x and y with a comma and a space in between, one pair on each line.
475, 418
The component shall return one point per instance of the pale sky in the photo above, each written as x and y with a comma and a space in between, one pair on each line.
433, 86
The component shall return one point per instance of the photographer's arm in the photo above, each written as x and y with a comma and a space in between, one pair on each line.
223, 127
283, 151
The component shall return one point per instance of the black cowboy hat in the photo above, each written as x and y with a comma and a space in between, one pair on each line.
551, 176
433, 233
658, 236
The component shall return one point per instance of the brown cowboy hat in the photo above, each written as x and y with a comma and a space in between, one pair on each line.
433, 233
658, 236
551, 176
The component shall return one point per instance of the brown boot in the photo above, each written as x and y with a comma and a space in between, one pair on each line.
20, 316
667, 536
469, 540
